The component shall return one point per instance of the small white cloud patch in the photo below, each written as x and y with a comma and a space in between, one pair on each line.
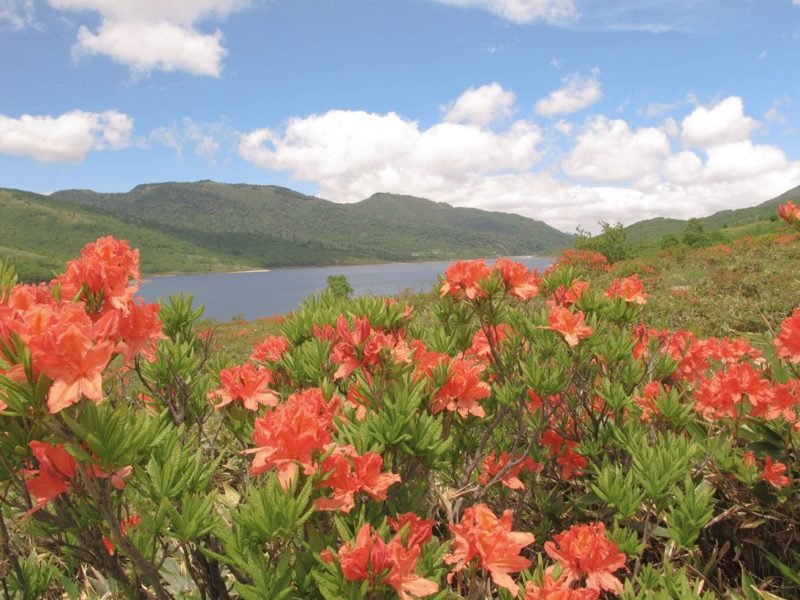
524, 11
482, 106
66, 138
577, 93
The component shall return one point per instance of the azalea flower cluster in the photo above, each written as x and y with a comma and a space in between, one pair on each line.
369, 558
73, 327
790, 213
470, 279
584, 260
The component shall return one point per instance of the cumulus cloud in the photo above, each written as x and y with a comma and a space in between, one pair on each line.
524, 11
722, 123
352, 154
608, 150
16, 14
577, 93
65, 138
147, 35
482, 106
613, 171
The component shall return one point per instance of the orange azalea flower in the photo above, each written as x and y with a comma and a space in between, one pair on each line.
584, 551
271, 349
570, 325
291, 434
722, 395
245, 383
629, 289
647, 401
74, 362
774, 473
480, 347
350, 474
480, 534
368, 556
464, 278
570, 461
782, 402
790, 213
585, 259
57, 469
463, 389
105, 268
419, 530
492, 466
403, 577
361, 347
518, 279
139, 330
788, 341
552, 589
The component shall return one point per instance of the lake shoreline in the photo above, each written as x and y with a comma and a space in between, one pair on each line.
146, 276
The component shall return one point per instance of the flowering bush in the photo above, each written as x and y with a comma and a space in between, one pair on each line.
535, 440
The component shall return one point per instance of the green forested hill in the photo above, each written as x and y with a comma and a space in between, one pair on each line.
274, 226
38, 234
733, 223
207, 226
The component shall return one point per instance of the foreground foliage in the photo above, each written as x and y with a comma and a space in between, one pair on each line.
532, 437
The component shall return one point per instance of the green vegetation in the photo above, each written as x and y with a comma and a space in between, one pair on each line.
724, 226
273, 227
339, 286
38, 234
207, 226
611, 243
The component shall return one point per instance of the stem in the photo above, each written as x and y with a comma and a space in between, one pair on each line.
12, 555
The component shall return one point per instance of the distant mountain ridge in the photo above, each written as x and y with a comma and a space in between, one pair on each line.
228, 226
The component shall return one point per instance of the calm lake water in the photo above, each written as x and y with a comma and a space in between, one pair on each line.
262, 294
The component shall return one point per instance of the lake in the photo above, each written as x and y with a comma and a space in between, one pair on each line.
265, 293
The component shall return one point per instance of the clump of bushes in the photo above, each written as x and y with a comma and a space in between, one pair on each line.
536, 439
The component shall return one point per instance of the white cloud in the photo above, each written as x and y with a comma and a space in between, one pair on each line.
608, 150
724, 122
742, 161
683, 168
563, 127
614, 172
66, 138
205, 139
655, 110
16, 14
352, 154
775, 113
524, 11
482, 106
149, 35
577, 93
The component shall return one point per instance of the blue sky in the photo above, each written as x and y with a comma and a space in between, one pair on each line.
570, 111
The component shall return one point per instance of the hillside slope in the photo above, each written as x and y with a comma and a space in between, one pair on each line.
274, 226
39, 234
754, 219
